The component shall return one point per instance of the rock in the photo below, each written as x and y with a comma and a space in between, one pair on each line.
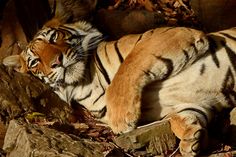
117, 23
32, 15
21, 94
215, 14
222, 154
33, 140
3, 130
156, 137
11, 32
72, 10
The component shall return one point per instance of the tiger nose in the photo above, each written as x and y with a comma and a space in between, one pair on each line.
57, 62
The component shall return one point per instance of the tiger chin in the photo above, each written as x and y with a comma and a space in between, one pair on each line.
180, 74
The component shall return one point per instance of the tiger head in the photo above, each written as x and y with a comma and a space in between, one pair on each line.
58, 54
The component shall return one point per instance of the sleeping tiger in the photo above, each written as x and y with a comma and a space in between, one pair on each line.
176, 73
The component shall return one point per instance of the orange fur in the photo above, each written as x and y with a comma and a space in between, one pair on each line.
124, 94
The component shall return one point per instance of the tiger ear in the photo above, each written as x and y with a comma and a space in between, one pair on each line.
17, 62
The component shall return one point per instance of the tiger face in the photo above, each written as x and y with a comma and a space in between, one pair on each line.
58, 55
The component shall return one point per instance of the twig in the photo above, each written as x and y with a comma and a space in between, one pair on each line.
171, 155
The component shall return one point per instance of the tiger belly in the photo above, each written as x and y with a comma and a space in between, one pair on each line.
190, 100
195, 89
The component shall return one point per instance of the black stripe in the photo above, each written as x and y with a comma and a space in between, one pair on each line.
51, 76
43, 78
169, 65
186, 55
68, 52
81, 99
39, 39
121, 59
213, 48
101, 85
194, 47
196, 110
140, 37
61, 29
72, 36
48, 31
167, 29
201, 41
99, 113
98, 98
68, 33
149, 73
72, 29
102, 69
187, 58
231, 54
51, 41
228, 36
28, 62
106, 54
50, 73
68, 29
63, 33
203, 69
101, 93
227, 88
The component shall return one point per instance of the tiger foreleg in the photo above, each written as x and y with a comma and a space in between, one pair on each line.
123, 107
152, 60
192, 134
123, 96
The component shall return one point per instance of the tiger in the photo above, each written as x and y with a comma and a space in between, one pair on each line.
176, 73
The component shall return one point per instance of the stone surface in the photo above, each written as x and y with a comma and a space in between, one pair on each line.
215, 14
33, 140
72, 10
23, 94
222, 154
156, 137
11, 32
3, 130
117, 23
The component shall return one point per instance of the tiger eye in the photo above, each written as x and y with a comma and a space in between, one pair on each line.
53, 37
34, 63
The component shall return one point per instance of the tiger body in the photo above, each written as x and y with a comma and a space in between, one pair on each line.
175, 73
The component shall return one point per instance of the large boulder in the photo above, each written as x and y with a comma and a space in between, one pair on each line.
215, 14
26, 140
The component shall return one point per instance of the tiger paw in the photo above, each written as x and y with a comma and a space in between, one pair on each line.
121, 122
123, 110
193, 137
192, 143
